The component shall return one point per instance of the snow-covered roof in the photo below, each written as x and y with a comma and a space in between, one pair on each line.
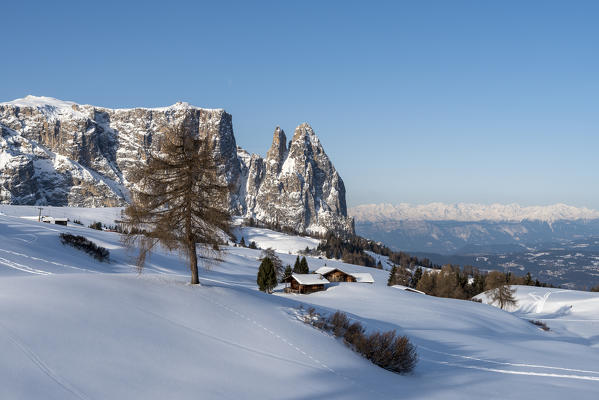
309, 279
325, 270
363, 277
407, 289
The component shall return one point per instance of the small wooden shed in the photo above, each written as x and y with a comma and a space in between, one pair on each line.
305, 283
52, 220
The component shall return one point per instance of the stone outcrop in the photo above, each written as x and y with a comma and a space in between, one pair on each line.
65, 154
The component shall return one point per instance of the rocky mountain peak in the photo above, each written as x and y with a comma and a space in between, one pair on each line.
54, 152
278, 150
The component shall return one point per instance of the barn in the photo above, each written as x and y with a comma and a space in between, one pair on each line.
305, 283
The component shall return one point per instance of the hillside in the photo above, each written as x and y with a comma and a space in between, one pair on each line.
75, 328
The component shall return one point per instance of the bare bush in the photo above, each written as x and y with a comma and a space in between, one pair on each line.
82, 243
339, 323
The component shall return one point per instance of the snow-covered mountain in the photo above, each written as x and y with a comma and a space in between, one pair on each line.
76, 328
472, 228
60, 153
469, 212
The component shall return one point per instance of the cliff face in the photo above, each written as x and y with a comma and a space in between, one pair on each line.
65, 154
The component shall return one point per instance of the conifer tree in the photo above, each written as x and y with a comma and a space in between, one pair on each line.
287, 273
297, 266
499, 291
177, 199
304, 266
403, 276
267, 277
416, 277
391, 280
276, 261
242, 242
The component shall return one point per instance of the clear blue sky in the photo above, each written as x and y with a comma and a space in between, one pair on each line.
473, 101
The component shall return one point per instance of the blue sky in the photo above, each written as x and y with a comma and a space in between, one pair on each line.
452, 101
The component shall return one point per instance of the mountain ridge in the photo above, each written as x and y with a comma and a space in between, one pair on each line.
55, 152
469, 212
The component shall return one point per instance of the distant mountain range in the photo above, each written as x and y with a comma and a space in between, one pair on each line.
472, 228
557, 244
469, 212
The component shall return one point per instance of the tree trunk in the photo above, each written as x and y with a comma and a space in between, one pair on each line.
193, 264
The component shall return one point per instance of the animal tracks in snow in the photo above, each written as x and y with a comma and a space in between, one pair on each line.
42, 366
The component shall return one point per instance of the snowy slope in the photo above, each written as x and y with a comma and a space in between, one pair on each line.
75, 328
569, 313
266, 238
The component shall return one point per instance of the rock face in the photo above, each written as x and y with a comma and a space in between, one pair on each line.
60, 153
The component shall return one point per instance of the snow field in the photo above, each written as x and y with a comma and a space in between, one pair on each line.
74, 328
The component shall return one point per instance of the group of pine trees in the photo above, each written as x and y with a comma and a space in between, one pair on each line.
352, 250
461, 283
271, 271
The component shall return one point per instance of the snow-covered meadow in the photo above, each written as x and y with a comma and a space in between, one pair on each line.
75, 328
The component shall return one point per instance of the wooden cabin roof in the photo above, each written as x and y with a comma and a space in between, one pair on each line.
309, 279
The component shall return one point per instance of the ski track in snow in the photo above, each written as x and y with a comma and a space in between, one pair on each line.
41, 272
540, 301
518, 365
42, 366
512, 372
21, 267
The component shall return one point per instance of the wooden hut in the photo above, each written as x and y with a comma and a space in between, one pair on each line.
305, 283
335, 274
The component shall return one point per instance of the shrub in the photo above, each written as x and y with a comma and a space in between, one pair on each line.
540, 324
82, 243
387, 349
354, 334
96, 226
339, 323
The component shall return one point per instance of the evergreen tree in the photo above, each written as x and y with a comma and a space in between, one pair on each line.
253, 245
242, 242
276, 261
403, 276
528, 279
304, 266
287, 273
416, 277
391, 280
297, 268
267, 277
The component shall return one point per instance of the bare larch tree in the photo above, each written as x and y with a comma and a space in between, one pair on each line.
177, 200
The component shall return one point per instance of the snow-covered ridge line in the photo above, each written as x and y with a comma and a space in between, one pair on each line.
50, 102
469, 212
